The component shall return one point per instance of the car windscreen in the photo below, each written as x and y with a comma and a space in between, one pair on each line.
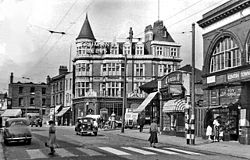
17, 123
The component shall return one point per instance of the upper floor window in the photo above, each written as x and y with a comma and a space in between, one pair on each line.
112, 69
139, 69
43, 101
173, 52
20, 102
83, 68
225, 55
43, 90
139, 49
159, 51
82, 88
20, 89
32, 89
127, 49
114, 49
32, 101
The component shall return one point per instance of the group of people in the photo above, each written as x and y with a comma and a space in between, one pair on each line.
214, 130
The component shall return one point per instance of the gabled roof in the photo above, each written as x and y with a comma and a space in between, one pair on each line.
86, 31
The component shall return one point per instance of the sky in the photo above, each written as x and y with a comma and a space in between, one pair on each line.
31, 52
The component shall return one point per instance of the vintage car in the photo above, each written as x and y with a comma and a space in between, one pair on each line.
37, 122
17, 129
86, 125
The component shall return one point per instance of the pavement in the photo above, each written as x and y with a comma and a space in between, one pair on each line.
231, 148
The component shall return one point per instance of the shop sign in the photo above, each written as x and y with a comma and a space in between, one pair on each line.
229, 95
175, 77
175, 89
245, 74
211, 79
233, 76
214, 100
221, 79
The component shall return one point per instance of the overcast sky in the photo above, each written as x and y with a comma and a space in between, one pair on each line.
29, 50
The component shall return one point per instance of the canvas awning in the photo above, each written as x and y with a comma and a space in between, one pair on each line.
12, 113
145, 102
176, 105
63, 111
54, 110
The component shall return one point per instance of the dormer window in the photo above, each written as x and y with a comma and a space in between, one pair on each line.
127, 49
139, 49
114, 48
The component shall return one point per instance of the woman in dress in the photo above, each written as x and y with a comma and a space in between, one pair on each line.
52, 137
153, 133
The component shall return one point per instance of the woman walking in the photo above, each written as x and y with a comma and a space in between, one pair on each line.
153, 133
52, 137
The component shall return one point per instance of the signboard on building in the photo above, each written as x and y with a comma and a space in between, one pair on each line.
175, 77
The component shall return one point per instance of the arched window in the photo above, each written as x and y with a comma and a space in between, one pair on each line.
225, 55
248, 50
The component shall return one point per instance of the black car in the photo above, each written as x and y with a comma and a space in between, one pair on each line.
86, 125
37, 122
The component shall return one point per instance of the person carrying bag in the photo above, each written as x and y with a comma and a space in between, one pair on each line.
153, 133
51, 143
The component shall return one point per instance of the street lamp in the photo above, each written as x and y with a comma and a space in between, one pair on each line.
124, 106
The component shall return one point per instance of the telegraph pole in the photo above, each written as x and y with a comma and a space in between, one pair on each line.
124, 106
192, 120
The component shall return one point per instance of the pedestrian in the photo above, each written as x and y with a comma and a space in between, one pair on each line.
153, 133
216, 128
52, 137
141, 123
209, 132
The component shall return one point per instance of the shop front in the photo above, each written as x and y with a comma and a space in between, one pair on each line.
174, 117
228, 99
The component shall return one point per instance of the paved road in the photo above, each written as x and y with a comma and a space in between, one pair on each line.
104, 146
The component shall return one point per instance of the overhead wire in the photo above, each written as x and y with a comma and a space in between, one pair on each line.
46, 41
185, 9
71, 24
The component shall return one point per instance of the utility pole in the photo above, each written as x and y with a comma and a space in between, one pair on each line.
192, 120
124, 106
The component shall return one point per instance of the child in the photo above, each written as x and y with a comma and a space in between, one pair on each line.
209, 132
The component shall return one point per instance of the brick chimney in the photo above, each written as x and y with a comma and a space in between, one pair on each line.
63, 70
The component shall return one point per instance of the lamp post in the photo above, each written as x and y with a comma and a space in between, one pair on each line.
124, 106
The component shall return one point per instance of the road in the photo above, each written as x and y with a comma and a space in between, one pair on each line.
104, 146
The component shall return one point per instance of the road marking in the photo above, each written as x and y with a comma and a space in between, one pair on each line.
160, 150
183, 151
89, 152
64, 153
139, 150
36, 153
114, 151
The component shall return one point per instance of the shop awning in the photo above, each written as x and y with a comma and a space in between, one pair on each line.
56, 108
63, 111
145, 102
12, 113
176, 105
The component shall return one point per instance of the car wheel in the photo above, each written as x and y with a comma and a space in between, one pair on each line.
28, 141
95, 133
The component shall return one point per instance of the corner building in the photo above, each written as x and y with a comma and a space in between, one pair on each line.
98, 69
226, 68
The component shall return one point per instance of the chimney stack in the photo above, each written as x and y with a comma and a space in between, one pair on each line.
11, 77
63, 70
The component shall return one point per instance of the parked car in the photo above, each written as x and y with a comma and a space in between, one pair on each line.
37, 122
86, 125
17, 129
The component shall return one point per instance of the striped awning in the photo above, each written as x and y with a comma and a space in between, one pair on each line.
145, 102
176, 105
